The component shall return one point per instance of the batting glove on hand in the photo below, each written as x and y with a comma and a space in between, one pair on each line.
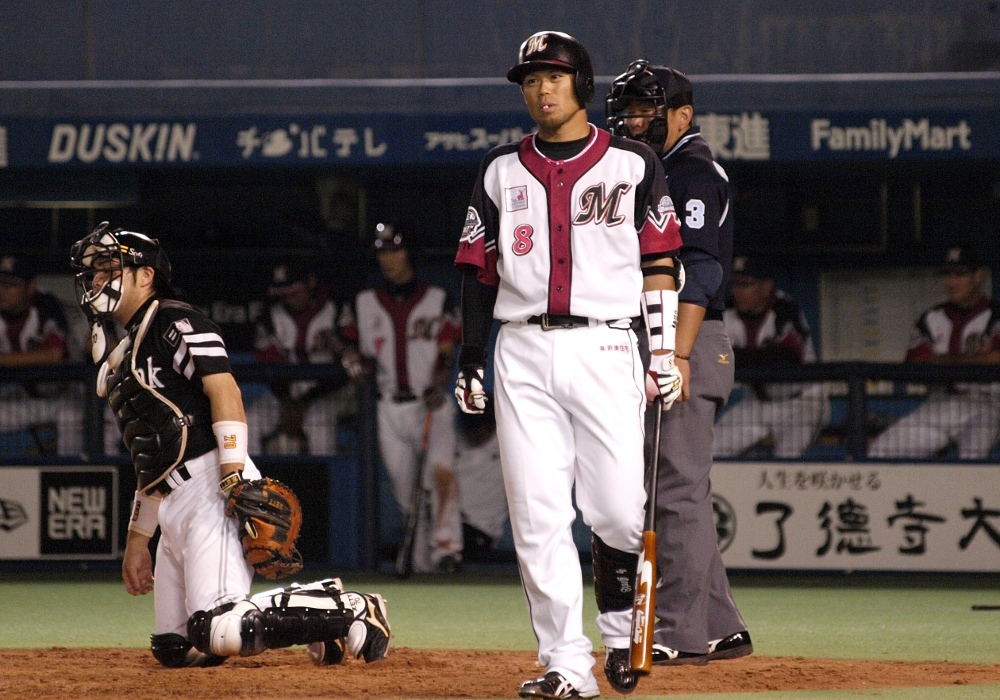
469, 389
663, 379
353, 364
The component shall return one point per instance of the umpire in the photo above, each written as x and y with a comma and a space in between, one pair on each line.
697, 618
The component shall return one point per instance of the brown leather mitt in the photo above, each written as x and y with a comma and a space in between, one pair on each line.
270, 519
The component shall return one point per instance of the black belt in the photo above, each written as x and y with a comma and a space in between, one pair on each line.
399, 398
180, 474
550, 322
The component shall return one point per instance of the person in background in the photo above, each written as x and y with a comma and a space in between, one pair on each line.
34, 332
408, 328
766, 328
965, 329
480, 483
302, 325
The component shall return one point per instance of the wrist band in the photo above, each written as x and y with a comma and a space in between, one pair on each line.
145, 514
682, 357
231, 436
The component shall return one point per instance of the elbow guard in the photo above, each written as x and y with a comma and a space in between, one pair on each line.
677, 272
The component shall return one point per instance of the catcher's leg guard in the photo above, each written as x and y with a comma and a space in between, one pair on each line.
173, 651
309, 614
228, 630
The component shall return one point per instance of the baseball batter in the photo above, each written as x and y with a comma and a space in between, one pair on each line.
181, 415
569, 237
406, 326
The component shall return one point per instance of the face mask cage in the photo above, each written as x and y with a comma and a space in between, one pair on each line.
100, 263
637, 86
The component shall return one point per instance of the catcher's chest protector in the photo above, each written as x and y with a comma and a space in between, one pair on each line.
153, 430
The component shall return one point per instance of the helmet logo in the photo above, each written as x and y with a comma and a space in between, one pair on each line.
535, 44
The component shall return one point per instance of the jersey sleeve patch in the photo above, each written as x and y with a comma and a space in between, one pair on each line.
176, 329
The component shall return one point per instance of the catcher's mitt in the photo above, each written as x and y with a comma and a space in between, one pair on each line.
270, 519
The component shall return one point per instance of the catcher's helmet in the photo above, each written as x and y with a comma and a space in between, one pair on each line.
658, 86
555, 50
107, 251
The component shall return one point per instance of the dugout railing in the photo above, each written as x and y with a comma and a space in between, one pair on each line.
865, 397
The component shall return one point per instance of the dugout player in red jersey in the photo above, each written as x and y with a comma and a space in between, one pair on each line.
569, 237
697, 618
965, 329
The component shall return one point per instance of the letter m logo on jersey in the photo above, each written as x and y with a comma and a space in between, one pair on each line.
597, 206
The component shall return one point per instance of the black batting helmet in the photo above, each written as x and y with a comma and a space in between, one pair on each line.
555, 50
658, 86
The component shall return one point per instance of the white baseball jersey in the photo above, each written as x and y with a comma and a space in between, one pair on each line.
402, 335
565, 237
946, 329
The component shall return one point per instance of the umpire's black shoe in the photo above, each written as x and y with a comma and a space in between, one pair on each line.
732, 647
665, 656
618, 671
554, 686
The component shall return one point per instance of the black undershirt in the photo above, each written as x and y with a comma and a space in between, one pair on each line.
561, 150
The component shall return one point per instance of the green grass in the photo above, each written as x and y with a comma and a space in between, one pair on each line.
883, 618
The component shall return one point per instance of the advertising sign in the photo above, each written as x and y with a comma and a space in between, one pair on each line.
58, 513
858, 516
394, 139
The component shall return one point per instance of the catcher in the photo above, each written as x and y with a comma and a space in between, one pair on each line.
171, 388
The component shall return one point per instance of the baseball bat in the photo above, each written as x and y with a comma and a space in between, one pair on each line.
644, 606
404, 557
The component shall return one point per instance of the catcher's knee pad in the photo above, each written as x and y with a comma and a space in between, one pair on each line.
614, 576
174, 651
228, 630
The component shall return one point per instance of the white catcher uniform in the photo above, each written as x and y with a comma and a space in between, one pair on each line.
565, 238
402, 335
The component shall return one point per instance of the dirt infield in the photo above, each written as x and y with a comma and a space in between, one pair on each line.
131, 674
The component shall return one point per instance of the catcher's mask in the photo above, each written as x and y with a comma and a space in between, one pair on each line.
100, 259
638, 85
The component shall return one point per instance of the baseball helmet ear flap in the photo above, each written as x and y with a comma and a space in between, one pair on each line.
555, 50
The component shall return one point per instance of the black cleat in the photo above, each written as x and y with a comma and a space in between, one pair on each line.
554, 686
665, 656
376, 621
618, 671
327, 653
449, 564
732, 647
